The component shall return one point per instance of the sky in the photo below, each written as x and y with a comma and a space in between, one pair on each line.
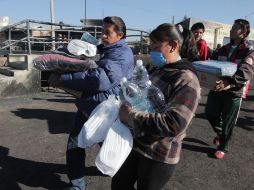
137, 14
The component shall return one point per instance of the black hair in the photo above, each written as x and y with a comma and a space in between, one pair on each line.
189, 49
167, 32
118, 23
245, 25
197, 26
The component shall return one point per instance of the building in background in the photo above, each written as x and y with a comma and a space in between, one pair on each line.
93, 26
215, 32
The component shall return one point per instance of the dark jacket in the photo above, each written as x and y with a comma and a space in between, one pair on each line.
243, 56
159, 136
97, 84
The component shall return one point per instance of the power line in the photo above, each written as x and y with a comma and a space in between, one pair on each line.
249, 15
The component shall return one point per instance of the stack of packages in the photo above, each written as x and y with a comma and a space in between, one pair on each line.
78, 55
211, 71
104, 125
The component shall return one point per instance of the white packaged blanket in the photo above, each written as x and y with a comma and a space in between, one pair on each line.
115, 149
99, 122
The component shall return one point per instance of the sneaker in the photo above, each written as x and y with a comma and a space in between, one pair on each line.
72, 188
219, 154
216, 141
77, 184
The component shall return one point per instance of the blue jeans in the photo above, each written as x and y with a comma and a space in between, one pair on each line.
75, 156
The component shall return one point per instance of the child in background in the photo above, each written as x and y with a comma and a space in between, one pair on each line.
198, 30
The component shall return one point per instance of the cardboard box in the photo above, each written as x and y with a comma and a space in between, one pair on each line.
211, 71
207, 80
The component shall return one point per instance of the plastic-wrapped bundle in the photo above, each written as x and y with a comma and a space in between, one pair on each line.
133, 95
211, 71
87, 37
115, 149
79, 47
140, 75
99, 122
60, 63
221, 68
155, 98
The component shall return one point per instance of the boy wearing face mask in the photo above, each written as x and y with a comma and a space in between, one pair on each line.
158, 136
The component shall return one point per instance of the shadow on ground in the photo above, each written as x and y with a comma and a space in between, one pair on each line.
245, 123
58, 121
200, 115
250, 98
190, 144
30, 173
63, 100
33, 174
201, 149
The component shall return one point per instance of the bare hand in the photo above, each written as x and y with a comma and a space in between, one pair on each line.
124, 111
222, 85
54, 80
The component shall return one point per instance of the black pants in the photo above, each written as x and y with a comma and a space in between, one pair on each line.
149, 174
222, 110
75, 156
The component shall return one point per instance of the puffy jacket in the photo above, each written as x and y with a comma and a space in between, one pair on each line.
97, 84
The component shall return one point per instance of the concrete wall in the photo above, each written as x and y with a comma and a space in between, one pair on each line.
2, 61
24, 81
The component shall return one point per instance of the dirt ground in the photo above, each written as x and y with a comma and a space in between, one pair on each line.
34, 132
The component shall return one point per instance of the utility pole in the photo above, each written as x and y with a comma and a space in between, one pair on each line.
173, 20
52, 15
85, 12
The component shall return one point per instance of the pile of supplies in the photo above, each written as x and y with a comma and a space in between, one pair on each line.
77, 55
